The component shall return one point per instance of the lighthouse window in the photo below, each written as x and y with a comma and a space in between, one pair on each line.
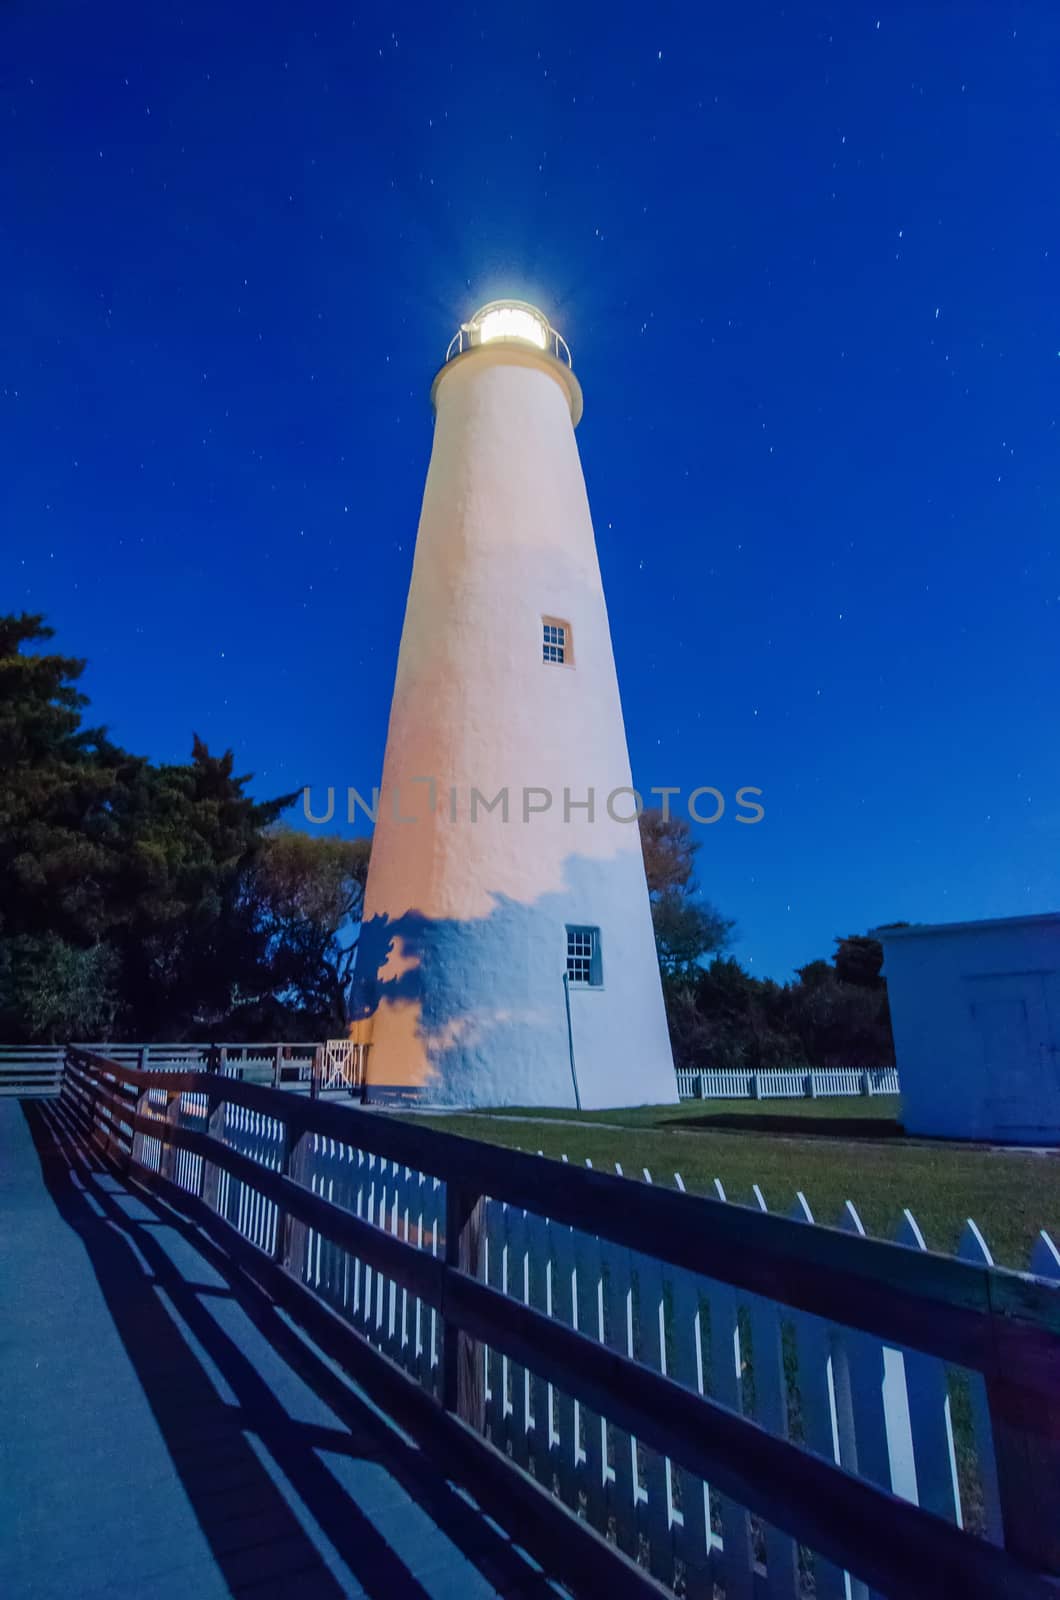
583, 957
556, 641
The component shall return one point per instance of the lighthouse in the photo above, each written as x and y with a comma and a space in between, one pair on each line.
506, 954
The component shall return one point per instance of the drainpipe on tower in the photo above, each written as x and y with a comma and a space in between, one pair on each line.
570, 1039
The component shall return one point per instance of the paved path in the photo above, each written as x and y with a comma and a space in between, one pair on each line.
154, 1442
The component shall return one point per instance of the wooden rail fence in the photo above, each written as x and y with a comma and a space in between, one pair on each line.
671, 1371
37, 1068
30, 1070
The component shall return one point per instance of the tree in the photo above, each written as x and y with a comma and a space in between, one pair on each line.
859, 960
687, 929
841, 1024
194, 953
54, 991
124, 877
721, 996
57, 781
669, 852
815, 973
839, 1011
309, 892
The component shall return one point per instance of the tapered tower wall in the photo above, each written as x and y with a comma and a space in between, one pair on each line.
464, 942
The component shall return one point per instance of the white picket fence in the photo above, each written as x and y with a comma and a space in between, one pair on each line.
903, 1419
398, 1199
715, 1083
884, 1413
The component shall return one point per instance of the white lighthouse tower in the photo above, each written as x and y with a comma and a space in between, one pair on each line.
507, 953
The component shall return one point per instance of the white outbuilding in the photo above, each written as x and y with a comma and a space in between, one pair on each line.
975, 1008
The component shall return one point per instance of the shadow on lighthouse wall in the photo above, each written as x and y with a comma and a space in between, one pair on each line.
473, 1011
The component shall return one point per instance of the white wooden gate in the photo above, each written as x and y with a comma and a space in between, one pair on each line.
341, 1064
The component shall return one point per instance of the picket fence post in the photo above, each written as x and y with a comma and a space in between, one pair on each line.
1027, 1451
931, 1425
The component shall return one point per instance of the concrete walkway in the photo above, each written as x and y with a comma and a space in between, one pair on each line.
156, 1438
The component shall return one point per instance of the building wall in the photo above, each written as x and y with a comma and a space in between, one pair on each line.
463, 947
976, 1017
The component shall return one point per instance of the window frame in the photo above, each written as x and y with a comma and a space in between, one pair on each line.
591, 963
566, 646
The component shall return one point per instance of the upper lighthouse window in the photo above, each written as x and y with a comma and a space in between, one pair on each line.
555, 642
512, 322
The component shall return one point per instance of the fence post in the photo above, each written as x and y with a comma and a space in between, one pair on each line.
756, 1087
167, 1163
463, 1378
1027, 1454
811, 1085
702, 1086
277, 1067
136, 1149
866, 1084
291, 1231
211, 1173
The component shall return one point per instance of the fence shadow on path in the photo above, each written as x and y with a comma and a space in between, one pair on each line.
129, 1237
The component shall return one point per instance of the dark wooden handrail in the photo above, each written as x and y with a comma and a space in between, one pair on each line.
1003, 1324
981, 1317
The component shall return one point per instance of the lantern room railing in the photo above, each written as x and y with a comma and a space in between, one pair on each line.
509, 321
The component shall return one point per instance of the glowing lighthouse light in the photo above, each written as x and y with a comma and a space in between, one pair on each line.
510, 321
506, 953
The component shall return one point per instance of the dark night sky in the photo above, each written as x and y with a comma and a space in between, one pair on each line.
806, 262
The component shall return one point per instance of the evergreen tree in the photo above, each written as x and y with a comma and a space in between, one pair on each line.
58, 782
192, 950
122, 884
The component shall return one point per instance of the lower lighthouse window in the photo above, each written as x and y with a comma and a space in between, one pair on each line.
584, 970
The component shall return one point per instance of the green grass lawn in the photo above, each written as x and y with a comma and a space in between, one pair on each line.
833, 1150
879, 1109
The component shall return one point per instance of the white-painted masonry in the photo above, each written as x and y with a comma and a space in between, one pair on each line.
462, 952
